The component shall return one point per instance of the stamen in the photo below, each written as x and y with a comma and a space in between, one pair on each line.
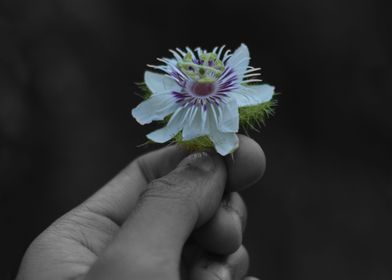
191, 52
252, 81
252, 75
226, 56
220, 51
176, 55
181, 51
201, 67
252, 70
199, 51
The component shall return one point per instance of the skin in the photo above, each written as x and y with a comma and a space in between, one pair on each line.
168, 215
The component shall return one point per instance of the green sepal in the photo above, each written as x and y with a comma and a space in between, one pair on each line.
145, 91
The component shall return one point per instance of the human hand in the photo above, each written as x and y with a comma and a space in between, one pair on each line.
168, 215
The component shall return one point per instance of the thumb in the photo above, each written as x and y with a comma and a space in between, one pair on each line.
150, 242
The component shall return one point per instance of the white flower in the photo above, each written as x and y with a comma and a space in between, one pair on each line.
203, 92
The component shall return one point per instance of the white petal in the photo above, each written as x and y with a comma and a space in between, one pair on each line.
197, 125
253, 95
157, 107
228, 117
239, 61
159, 83
175, 124
225, 143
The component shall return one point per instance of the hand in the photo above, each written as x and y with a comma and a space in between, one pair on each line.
168, 215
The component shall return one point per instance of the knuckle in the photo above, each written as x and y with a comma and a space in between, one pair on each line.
143, 167
165, 184
174, 188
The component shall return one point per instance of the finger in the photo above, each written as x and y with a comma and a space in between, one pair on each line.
118, 197
152, 238
223, 233
190, 253
246, 166
213, 267
251, 278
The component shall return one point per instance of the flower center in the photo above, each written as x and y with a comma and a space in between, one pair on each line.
206, 68
203, 89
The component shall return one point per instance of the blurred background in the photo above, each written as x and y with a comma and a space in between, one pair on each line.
323, 209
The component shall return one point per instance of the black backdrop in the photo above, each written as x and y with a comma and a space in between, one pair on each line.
323, 209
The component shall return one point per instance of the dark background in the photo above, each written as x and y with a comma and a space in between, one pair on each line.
323, 209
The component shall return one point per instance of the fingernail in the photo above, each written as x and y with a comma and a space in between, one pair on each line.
201, 160
219, 270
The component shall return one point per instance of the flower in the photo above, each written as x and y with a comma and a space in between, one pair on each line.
202, 91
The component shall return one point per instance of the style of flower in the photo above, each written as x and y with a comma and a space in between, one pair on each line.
202, 91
